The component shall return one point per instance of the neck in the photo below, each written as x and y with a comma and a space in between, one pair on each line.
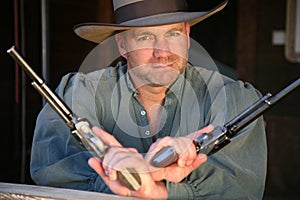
152, 98
152, 95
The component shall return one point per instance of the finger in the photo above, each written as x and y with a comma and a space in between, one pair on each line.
134, 150
191, 154
160, 143
112, 174
199, 160
158, 174
185, 149
97, 166
206, 129
118, 158
155, 147
115, 152
106, 137
180, 145
115, 186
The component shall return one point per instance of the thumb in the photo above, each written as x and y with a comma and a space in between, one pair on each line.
106, 137
199, 160
206, 129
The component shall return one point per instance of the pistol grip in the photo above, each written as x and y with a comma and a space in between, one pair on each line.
130, 178
164, 157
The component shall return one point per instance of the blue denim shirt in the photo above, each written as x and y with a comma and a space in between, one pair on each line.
199, 97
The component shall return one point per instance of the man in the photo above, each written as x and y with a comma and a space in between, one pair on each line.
155, 99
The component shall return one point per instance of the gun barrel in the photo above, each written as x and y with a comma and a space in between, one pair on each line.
285, 91
220, 137
18, 58
260, 109
80, 129
247, 112
39, 84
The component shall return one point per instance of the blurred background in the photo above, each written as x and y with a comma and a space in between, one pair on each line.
254, 40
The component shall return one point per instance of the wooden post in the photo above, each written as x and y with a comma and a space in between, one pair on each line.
247, 34
105, 13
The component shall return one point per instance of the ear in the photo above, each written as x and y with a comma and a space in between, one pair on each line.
121, 45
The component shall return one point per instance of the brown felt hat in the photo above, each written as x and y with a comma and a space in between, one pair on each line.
143, 13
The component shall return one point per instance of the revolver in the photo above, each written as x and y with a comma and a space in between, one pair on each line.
209, 143
80, 127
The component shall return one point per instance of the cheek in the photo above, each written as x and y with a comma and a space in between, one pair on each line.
140, 57
180, 49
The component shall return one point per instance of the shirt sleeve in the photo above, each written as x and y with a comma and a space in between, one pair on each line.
238, 171
57, 159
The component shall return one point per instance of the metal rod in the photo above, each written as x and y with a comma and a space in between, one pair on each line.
266, 104
17, 57
248, 111
40, 84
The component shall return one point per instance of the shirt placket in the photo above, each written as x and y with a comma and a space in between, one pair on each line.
142, 122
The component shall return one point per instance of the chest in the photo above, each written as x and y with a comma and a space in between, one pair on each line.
138, 126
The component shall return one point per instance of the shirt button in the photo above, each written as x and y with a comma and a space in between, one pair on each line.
143, 112
147, 132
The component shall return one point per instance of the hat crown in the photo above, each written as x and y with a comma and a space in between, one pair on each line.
120, 3
144, 13
126, 10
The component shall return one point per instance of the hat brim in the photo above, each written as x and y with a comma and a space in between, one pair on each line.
98, 32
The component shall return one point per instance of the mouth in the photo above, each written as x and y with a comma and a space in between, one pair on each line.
162, 66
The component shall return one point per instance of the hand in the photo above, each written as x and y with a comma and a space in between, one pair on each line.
118, 158
188, 158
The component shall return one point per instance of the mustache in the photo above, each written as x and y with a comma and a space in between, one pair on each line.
166, 60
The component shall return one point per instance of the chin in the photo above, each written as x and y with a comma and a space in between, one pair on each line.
165, 79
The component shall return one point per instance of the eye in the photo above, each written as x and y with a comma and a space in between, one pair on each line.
174, 33
144, 38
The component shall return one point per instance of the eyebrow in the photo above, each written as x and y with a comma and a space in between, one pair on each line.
148, 32
180, 29
142, 32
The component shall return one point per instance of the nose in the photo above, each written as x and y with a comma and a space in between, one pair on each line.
161, 48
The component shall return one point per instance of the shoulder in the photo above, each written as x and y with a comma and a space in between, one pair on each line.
202, 76
240, 95
215, 82
223, 97
90, 81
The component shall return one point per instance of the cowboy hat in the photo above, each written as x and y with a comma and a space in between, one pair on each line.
143, 13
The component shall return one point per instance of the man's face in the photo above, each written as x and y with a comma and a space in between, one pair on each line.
155, 55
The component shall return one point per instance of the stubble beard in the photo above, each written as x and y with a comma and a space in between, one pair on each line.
156, 74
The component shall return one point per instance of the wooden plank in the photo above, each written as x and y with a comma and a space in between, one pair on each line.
33, 192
